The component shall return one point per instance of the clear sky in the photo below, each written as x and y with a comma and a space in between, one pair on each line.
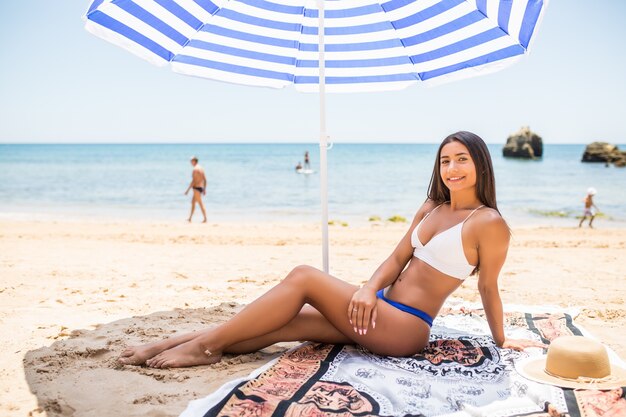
59, 84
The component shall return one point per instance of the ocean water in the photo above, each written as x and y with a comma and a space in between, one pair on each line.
257, 182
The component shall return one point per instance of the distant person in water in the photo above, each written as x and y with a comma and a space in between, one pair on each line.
198, 184
590, 209
299, 166
307, 162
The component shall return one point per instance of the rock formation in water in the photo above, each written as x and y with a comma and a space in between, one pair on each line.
523, 144
604, 152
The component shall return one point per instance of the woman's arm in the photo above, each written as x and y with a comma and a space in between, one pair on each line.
391, 268
493, 244
362, 307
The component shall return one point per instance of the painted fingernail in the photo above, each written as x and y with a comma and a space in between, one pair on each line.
355, 330
373, 324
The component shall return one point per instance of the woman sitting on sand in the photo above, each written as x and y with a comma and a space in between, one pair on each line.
457, 232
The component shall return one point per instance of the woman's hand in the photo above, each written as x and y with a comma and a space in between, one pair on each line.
521, 344
362, 309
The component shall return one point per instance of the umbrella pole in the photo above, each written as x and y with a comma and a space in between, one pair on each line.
323, 137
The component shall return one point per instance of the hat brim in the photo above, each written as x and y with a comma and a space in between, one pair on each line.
534, 369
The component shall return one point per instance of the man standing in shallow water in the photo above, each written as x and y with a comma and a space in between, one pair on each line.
198, 183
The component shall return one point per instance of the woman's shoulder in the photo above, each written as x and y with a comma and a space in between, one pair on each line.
488, 214
428, 206
490, 222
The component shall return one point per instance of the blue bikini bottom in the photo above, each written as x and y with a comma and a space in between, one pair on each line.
407, 309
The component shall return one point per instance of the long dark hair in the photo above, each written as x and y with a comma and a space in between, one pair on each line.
485, 179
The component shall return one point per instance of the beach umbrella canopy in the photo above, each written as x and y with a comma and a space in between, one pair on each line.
322, 46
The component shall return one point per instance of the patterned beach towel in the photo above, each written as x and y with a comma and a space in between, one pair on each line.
460, 373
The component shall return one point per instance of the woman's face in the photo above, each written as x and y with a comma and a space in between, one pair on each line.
456, 167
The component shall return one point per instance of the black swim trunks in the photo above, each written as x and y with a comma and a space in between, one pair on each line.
198, 189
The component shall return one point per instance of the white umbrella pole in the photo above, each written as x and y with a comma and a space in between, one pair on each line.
323, 138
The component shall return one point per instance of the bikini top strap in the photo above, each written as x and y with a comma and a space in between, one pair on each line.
424, 218
473, 211
428, 214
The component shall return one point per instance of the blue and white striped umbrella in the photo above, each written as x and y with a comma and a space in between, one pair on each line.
366, 45
370, 45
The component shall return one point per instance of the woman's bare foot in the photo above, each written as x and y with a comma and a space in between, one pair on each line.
138, 355
187, 354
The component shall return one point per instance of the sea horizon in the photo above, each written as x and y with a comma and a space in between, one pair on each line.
251, 142
252, 182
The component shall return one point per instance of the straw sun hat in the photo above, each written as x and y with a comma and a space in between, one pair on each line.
591, 191
574, 362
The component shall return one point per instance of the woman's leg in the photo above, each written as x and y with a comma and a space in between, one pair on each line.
268, 314
309, 324
262, 320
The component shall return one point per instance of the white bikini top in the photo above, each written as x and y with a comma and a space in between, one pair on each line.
444, 251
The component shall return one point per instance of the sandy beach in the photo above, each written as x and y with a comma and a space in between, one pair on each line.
73, 294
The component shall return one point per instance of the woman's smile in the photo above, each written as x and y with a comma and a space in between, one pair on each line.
456, 165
